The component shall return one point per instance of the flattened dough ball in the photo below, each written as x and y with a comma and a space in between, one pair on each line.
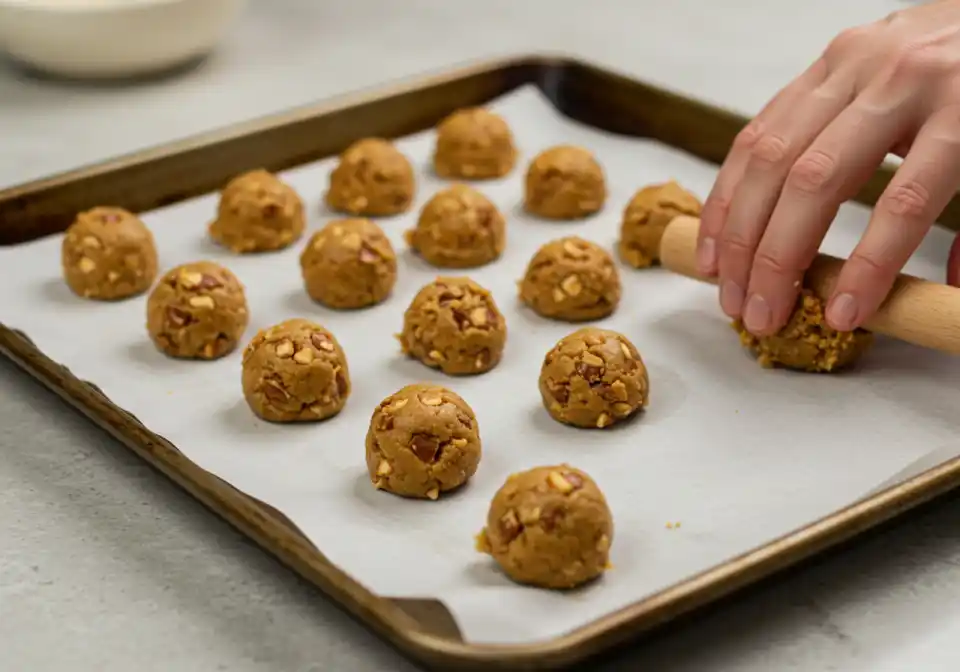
474, 144
593, 378
257, 213
458, 228
549, 527
423, 440
295, 371
349, 263
372, 179
806, 343
453, 324
571, 279
197, 311
564, 182
108, 254
646, 217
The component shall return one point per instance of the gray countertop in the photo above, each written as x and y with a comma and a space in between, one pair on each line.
105, 566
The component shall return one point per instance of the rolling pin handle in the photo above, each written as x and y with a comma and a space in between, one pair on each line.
916, 311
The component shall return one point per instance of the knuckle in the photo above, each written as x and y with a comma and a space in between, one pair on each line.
907, 200
869, 263
735, 243
772, 262
845, 41
893, 17
714, 214
914, 61
748, 136
812, 172
770, 150
720, 203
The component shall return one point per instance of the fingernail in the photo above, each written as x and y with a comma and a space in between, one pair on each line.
731, 298
756, 315
842, 312
707, 255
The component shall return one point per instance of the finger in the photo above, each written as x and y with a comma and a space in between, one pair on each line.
717, 205
763, 178
833, 169
915, 197
953, 263
901, 148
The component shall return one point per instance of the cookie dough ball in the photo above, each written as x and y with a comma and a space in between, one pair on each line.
806, 343
108, 254
593, 378
349, 263
373, 179
458, 228
197, 311
564, 182
257, 213
645, 218
295, 371
571, 279
423, 440
474, 144
453, 324
549, 527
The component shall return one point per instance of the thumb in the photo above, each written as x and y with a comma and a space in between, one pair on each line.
953, 263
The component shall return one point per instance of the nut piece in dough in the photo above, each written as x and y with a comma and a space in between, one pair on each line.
564, 182
571, 279
349, 263
593, 378
423, 440
549, 527
453, 324
108, 254
458, 228
372, 179
257, 213
806, 343
295, 371
646, 217
474, 144
197, 311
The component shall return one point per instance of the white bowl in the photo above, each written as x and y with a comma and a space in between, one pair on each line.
112, 38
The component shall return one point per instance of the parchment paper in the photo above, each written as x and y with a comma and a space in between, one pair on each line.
735, 454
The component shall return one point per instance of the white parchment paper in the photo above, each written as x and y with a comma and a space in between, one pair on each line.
734, 453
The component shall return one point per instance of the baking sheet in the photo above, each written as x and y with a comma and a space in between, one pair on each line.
727, 457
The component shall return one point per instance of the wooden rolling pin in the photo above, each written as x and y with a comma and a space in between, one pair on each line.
916, 311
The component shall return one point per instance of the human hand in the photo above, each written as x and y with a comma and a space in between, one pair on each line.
889, 86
